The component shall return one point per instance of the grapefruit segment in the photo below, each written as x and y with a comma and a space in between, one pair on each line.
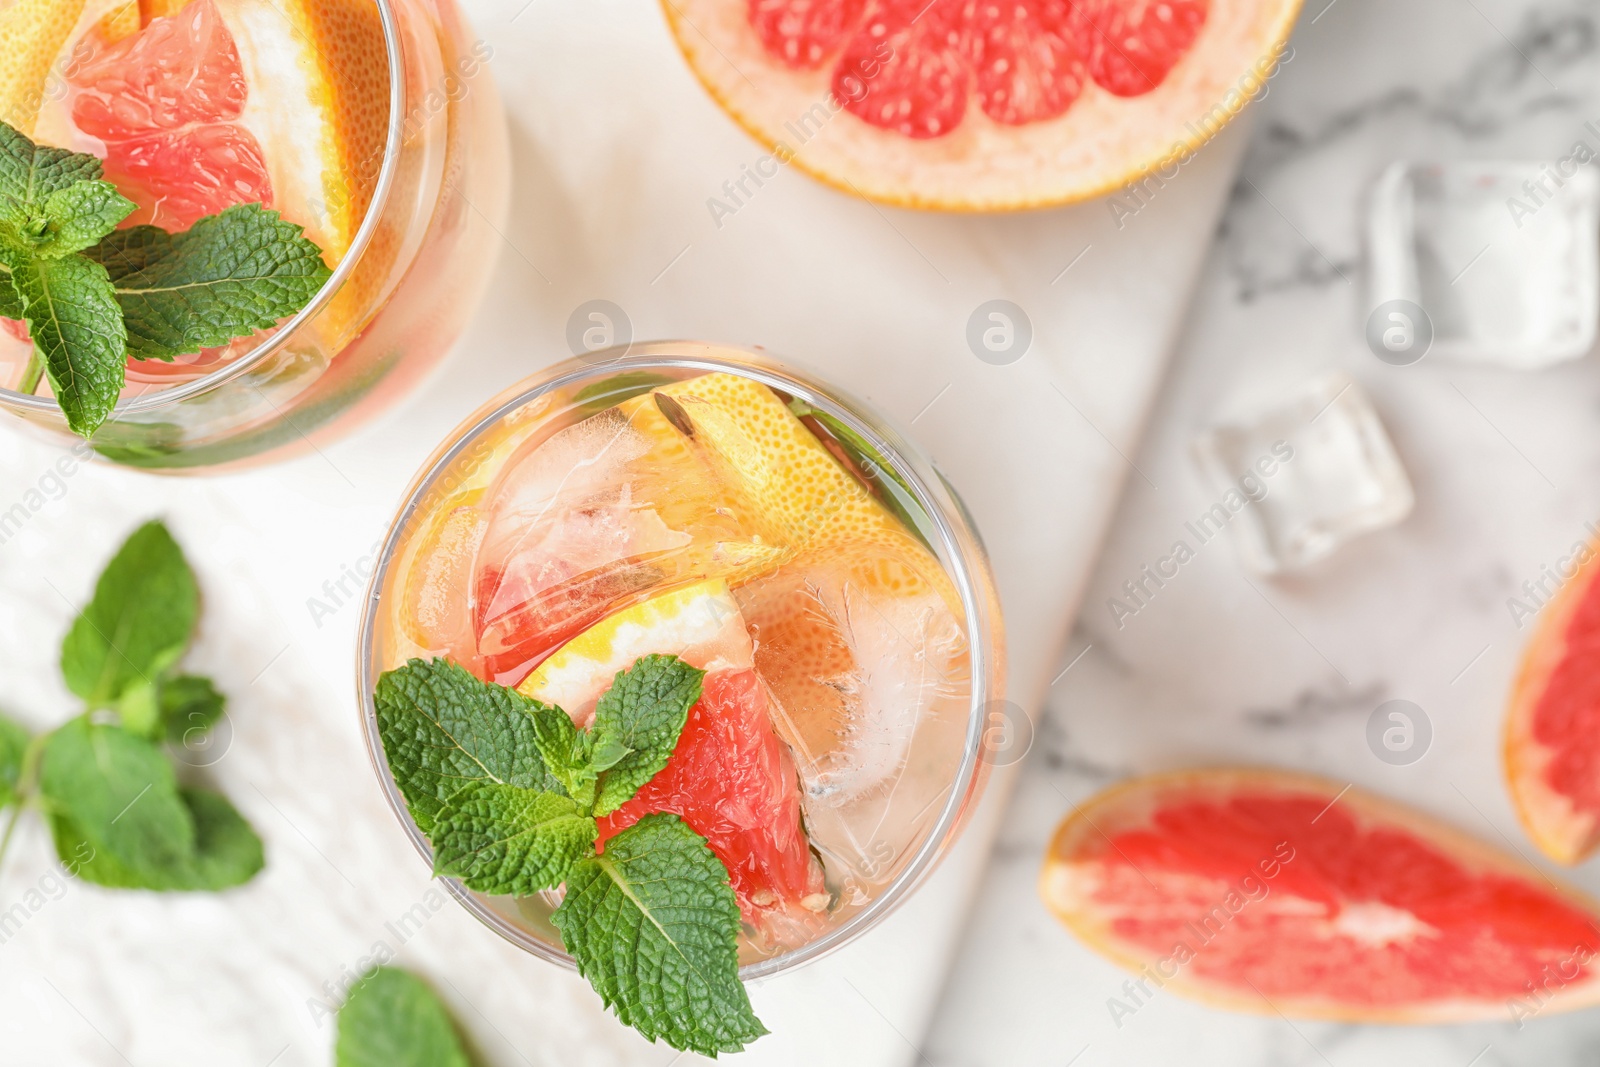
905, 71
1137, 42
1274, 892
729, 777
802, 33
164, 103
1552, 732
1027, 59
981, 105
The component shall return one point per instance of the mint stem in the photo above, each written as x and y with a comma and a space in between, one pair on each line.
31, 373
27, 782
11, 828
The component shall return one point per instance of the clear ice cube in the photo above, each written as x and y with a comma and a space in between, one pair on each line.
603, 513
1503, 257
1300, 479
870, 689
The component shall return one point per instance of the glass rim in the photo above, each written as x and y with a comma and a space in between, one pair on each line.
393, 140
966, 566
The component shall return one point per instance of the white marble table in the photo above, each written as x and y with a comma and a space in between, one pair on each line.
1213, 671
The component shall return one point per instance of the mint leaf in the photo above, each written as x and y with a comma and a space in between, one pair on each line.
653, 926
29, 173
392, 1019
643, 712
119, 792
229, 275
13, 744
78, 216
72, 314
227, 852
189, 706
508, 841
11, 306
443, 728
143, 613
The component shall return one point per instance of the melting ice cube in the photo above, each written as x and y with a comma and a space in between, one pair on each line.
1503, 257
1307, 475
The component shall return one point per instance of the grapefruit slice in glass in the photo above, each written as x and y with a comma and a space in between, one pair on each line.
973, 105
730, 777
1273, 892
1552, 733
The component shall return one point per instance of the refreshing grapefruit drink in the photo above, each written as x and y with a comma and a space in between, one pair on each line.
317, 180
706, 511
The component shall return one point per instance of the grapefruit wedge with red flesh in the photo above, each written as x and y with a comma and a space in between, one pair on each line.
977, 105
1273, 892
165, 102
1552, 734
729, 777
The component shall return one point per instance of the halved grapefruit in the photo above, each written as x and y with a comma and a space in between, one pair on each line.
976, 105
1552, 733
1273, 892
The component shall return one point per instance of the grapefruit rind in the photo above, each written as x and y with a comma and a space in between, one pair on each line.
699, 623
1065, 888
1103, 143
1551, 820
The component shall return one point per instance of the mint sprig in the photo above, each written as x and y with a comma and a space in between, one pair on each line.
392, 1019
652, 921
118, 815
93, 295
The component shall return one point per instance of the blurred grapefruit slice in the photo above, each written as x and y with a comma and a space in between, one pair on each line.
974, 105
729, 777
1272, 892
1552, 733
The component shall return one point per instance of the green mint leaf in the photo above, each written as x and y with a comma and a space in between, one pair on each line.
11, 305
653, 926
227, 852
508, 841
143, 613
189, 706
644, 712
227, 276
139, 708
78, 216
76, 324
119, 792
566, 751
392, 1019
29, 173
13, 744
443, 728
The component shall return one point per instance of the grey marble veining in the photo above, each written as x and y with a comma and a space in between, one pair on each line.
1221, 669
